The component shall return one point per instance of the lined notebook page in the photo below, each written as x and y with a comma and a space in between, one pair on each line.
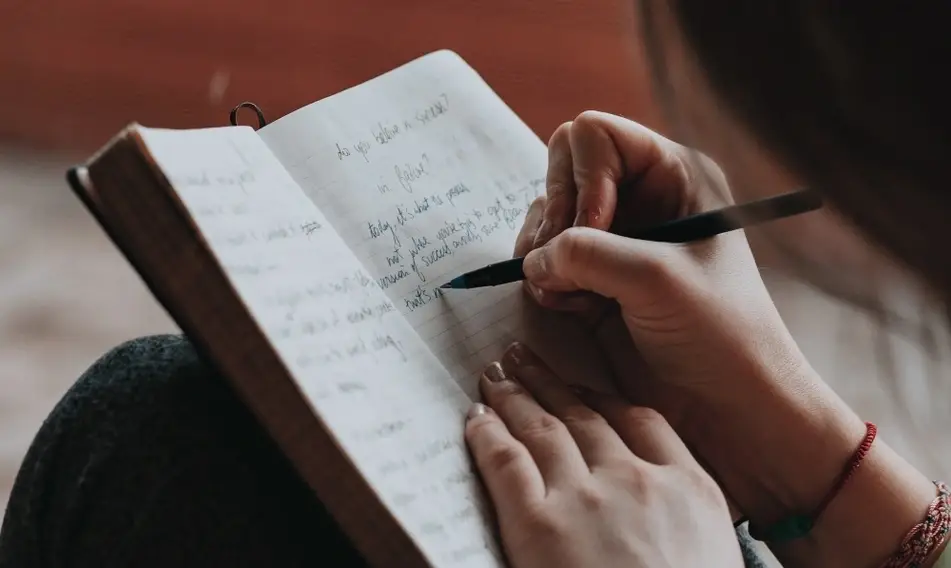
425, 173
387, 400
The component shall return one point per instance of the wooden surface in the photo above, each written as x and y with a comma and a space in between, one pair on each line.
74, 73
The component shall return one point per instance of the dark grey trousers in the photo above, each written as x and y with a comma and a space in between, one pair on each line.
151, 460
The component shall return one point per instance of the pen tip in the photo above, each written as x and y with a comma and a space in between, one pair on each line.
457, 282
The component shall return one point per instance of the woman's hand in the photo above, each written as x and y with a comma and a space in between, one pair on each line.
698, 313
580, 479
691, 331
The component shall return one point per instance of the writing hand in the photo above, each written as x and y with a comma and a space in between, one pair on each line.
589, 480
691, 331
695, 317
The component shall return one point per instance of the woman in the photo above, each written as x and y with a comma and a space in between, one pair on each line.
149, 460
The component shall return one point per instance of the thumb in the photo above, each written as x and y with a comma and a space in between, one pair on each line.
627, 270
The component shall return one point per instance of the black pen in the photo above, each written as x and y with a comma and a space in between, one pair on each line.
687, 229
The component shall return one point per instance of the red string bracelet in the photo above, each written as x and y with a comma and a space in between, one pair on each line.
798, 526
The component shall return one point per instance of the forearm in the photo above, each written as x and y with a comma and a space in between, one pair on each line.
777, 445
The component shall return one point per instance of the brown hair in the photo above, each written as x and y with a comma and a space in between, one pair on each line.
850, 97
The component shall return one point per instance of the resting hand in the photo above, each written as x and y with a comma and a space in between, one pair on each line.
582, 480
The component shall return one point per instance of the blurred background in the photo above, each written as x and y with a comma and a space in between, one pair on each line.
73, 73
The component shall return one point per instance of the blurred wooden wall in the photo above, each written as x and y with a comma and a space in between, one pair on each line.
74, 73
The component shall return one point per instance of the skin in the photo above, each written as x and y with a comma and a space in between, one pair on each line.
691, 332
570, 473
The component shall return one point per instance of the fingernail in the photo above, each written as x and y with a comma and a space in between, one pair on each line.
593, 216
544, 232
494, 373
536, 291
521, 355
477, 409
582, 218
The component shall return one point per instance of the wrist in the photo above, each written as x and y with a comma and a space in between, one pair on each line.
775, 442
867, 520
778, 444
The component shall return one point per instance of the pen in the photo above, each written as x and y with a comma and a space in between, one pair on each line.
687, 229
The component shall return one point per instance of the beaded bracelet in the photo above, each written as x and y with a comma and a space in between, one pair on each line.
925, 538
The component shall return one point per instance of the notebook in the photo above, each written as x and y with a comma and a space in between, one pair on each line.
304, 259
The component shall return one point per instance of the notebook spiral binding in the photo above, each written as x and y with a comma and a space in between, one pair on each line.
262, 122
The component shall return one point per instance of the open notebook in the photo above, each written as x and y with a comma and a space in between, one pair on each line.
304, 260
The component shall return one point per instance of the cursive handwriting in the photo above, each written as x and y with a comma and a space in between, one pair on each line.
418, 253
386, 132
409, 173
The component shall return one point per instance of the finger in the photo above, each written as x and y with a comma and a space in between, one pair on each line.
609, 151
533, 218
595, 438
559, 187
585, 304
582, 303
681, 182
576, 302
636, 273
643, 429
506, 467
588, 307
547, 439
597, 169
662, 193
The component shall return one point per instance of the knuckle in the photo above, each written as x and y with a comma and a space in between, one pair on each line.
646, 479
580, 415
704, 487
592, 500
543, 425
637, 479
546, 526
691, 169
573, 247
501, 456
662, 270
644, 416
538, 203
556, 190
560, 135
589, 118
591, 168
679, 163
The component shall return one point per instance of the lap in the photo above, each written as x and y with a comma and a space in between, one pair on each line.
151, 460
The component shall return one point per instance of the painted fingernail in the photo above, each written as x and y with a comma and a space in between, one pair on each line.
521, 355
494, 373
477, 409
